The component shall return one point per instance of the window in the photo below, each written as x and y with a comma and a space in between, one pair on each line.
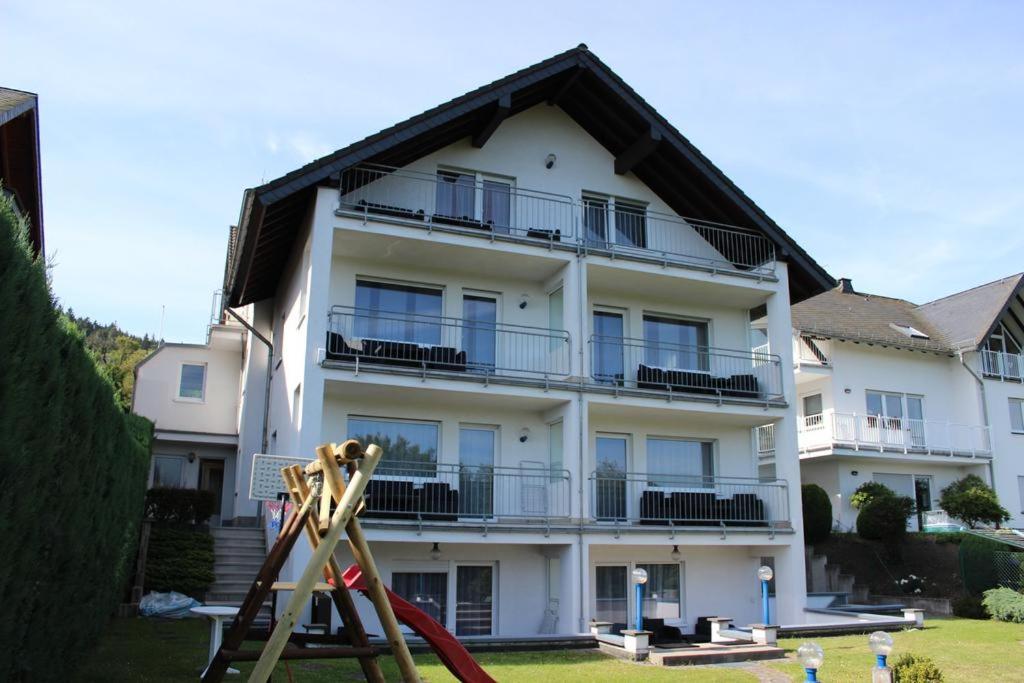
899, 417
1020, 490
662, 594
426, 590
479, 332
909, 331
555, 454
556, 316
168, 471
610, 594
812, 405
410, 448
476, 471
608, 349
398, 312
1017, 415
456, 195
498, 205
474, 600
193, 381
630, 224
675, 344
679, 462
595, 220
612, 455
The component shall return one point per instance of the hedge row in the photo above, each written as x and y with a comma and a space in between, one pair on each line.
179, 506
179, 560
72, 470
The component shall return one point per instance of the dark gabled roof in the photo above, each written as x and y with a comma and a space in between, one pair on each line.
959, 322
581, 85
19, 158
855, 316
969, 317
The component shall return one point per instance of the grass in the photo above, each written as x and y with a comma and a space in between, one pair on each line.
151, 650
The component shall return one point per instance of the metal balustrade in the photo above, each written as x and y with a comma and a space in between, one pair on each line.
812, 350
465, 493
899, 434
498, 209
664, 367
765, 436
1003, 365
679, 500
428, 342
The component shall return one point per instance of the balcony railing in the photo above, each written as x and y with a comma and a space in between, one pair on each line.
497, 209
896, 434
659, 366
424, 342
427, 491
813, 351
1003, 365
678, 500
765, 435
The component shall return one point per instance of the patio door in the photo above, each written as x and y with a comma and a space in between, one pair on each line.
611, 594
663, 595
474, 600
612, 455
607, 349
211, 478
885, 418
476, 471
479, 332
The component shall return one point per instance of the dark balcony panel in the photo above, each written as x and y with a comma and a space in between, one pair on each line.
437, 501
742, 385
384, 210
693, 509
386, 498
462, 222
742, 509
397, 353
545, 234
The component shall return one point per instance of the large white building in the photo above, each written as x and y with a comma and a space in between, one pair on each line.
565, 373
912, 396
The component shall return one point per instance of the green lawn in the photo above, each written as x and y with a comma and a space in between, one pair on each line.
152, 650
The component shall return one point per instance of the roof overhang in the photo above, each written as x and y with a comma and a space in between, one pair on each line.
642, 141
19, 159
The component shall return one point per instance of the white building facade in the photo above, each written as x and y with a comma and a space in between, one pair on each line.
565, 374
914, 397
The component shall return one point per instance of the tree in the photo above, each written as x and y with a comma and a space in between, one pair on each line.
867, 492
971, 501
817, 510
116, 353
884, 518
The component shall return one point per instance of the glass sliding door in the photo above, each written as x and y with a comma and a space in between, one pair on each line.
474, 600
610, 477
498, 205
595, 222
456, 195
608, 349
662, 592
397, 313
675, 344
479, 332
915, 421
476, 471
611, 595
630, 224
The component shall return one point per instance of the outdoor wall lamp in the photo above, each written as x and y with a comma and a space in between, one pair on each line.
524, 434
191, 457
550, 161
811, 657
524, 299
675, 554
435, 552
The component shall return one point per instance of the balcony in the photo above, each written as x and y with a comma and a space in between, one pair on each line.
621, 362
405, 342
423, 491
653, 499
498, 210
1003, 365
892, 434
813, 351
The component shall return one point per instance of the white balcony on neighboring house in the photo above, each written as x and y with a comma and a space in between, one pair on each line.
1004, 366
828, 432
499, 210
812, 357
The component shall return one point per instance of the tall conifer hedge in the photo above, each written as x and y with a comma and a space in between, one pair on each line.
72, 477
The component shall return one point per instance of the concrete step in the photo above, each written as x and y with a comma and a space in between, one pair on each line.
239, 543
229, 566
236, 531
243, 554
708, 653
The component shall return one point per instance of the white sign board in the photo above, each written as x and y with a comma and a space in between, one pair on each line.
266, 482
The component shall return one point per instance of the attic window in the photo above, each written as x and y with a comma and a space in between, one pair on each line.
911, 332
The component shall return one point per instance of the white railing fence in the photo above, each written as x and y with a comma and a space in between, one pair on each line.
877, 432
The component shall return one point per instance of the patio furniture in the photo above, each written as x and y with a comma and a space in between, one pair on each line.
217, 614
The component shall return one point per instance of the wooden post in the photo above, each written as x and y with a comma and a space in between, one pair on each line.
321, 556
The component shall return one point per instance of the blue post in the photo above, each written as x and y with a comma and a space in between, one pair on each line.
639, 607
765, 603
880, 661
812, 675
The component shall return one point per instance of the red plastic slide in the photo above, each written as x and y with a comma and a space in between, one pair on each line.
447, 648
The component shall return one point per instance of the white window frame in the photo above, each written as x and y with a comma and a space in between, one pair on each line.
1019, 403
152, 469
391, 477
630, 565
181, 371
611, 233
496, 430
708, 325
451, 569
442, 290
478, 189
691, 439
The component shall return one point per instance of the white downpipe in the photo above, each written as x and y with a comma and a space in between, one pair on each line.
984, 416
581, 297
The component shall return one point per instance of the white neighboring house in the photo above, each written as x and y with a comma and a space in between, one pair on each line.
191, 393
565, 379
911, 396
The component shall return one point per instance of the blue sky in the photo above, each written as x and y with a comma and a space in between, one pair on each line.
885, 137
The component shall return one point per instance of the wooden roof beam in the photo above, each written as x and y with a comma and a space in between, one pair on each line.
503, 107
566, 86
641, 148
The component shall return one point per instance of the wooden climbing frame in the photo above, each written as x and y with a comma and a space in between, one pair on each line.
312, 491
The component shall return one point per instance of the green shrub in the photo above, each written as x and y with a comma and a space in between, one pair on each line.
867, 492
969, 607
179, 560
972, 501
977, 563
1004, 604
74, 467
911, 668
179, 506
884, 518
817, 514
